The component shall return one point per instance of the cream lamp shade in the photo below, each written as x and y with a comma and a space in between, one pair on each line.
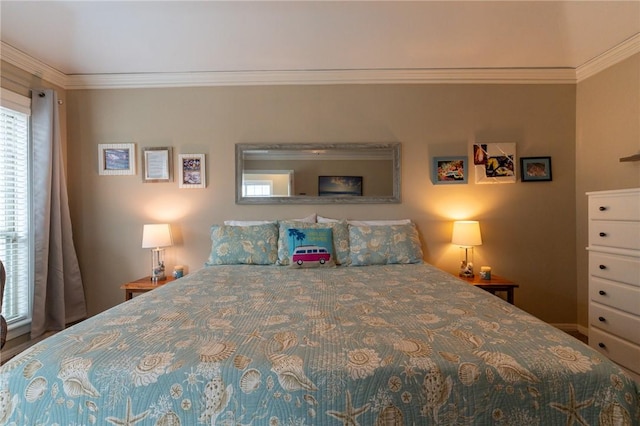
466, 233
156, 235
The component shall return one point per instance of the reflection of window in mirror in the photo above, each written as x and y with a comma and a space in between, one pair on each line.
257, 188
267, 183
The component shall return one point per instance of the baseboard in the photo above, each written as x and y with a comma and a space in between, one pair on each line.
569, 328
583, 330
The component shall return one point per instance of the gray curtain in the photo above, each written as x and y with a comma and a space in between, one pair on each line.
58, 292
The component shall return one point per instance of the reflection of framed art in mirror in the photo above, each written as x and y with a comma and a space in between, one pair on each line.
340, 186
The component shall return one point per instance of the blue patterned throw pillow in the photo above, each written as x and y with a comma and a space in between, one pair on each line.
383, 245
250, 245
310, 247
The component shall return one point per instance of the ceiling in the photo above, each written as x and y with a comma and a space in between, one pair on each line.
114, 39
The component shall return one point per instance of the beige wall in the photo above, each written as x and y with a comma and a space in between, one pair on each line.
528, 228
607, 128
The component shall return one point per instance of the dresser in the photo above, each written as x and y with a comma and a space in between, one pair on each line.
614, 275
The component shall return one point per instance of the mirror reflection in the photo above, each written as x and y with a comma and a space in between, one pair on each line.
317, 173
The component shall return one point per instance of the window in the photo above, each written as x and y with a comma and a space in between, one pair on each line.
15, 212
257, 188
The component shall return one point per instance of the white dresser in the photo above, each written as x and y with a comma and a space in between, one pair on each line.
614, 275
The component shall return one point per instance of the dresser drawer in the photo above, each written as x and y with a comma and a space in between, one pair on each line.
624, 353
620, 206
615, 234
616, 322
618, 296
614, 267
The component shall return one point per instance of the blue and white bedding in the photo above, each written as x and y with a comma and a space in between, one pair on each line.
271, 345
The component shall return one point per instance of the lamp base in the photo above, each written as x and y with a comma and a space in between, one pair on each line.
466, 262
466, 269
157, 265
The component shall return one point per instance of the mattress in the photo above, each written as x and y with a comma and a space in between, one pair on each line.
272, 345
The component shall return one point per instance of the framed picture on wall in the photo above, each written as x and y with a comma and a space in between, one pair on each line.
449, 170
340, 186
535, 169
495, 162
191, 171
157, 165
116, 159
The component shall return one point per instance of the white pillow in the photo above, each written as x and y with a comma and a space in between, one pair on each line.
379, 222
309, 219
247, 222
322, 219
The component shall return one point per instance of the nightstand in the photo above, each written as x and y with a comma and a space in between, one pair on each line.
142, 286
495, 284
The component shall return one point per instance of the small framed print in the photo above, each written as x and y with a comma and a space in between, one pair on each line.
191, 171
535, 169
494, 162
449, 170
157, 165
116, 159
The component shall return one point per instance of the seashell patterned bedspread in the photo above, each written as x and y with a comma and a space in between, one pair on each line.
268, 345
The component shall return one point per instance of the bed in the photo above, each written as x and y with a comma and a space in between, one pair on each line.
399, 343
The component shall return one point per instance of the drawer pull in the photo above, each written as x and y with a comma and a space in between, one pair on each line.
603, 234
602, 293
602, 267
601, 319
602, 345
602, 208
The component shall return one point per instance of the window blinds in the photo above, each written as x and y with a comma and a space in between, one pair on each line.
15, 217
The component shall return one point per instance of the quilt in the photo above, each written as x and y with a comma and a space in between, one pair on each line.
271, 345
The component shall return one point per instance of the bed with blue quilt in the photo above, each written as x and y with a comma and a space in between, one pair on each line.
267, 344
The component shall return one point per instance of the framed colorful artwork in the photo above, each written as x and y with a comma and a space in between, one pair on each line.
495, 162
449, 170
117, 159
535, 169
191, 171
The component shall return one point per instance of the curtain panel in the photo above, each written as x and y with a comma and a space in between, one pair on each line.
58, 291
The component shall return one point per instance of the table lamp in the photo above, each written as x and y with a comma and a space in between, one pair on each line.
466, 234
155, 236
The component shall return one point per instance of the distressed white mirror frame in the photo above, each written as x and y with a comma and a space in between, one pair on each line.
392, 148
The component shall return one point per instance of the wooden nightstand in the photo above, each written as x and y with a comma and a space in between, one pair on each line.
495, 284
142, 285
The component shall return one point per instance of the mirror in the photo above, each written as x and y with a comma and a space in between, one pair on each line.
349, 173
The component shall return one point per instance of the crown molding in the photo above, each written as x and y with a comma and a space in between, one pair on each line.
318, 77
36, 67
303, 77
32, 65
619, 53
